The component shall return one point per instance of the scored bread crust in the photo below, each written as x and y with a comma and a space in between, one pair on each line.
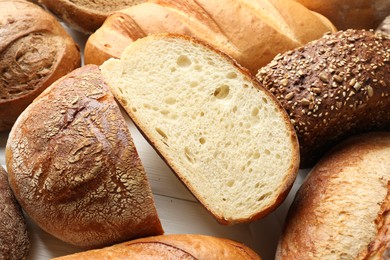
288, 176
250, 31
14, 241
176, 246
74, 168
34, 52
332, 88
342, 208
84, 16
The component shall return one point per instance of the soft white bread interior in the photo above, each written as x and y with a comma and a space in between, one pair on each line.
228, 140
342, 210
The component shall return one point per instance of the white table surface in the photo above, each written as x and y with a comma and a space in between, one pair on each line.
177, 208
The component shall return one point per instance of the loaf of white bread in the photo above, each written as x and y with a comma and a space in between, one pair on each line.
332, 88
73, 166
35, 51
342, 210
180, 246
84, 15
351, 14
227, 139
250, 31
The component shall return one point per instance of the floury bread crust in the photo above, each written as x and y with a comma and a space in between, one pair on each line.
333, 88
182, 246
342, 209
85, 15
74, 168
228, 140
35, 51
14, 241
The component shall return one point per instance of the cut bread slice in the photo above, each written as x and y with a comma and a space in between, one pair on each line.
227, 139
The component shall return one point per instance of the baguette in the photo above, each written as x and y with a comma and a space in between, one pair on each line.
83, 15
341, 211
171, 247
243, 29
73, 166
351, 14
332, 88
227, 139
14, 241
34, 52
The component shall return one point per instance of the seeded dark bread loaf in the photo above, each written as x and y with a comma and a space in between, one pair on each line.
14, 241
342, 210
74, 168
34, 52
351, 14
171, 247
244, 29
333, 87
85, 15
227, 139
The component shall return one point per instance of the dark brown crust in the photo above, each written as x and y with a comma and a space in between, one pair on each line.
304, 227
34, 52
173, 247
290, 175
14, 241
74, 168
332, 88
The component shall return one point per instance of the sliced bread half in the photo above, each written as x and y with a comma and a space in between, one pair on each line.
227, 139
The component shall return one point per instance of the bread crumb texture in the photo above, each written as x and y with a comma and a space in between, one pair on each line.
332, 88
342, 209
74, 168
104, 6
225, 138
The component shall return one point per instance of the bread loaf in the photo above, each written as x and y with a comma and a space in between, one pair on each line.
228, 140
384, 27
171, 247
34, 51
244, 29
341, 211
14, 242
332, 88
74, 168
351, 14
83, 15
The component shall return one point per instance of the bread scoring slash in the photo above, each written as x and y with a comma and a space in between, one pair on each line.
73, 166
227, 139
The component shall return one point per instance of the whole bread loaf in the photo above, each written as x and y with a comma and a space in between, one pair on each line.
227, 139
14, 241
351, 14
34, 52
84, 15
342, 210
180, 246
73, 166
244, 29
332, 88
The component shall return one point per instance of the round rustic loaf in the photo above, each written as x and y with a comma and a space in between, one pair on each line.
333, 87
351, 14
85, 15
34, 52
74, 168
14, 242
384, 27
342, 210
